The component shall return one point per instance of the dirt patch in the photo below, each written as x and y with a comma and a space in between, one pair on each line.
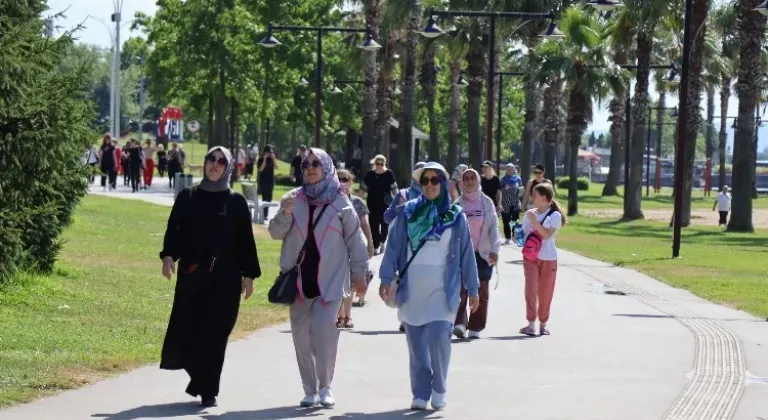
698, 217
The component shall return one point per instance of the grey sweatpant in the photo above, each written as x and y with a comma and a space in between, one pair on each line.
316, 340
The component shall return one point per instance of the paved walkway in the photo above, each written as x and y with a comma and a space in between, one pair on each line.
642, 351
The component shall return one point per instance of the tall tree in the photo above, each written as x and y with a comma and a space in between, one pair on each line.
724, 25
751, 29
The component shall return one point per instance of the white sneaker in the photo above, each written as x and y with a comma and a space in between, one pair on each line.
418, 404
326, 398
310, 401
473, 335
439, 401
508, 241
460, 331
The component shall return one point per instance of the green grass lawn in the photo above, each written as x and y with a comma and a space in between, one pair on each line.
593, 199
106, 307
723, 267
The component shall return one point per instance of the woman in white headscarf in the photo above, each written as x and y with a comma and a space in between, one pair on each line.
209, 234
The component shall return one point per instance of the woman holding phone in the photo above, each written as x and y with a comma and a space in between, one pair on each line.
267, 164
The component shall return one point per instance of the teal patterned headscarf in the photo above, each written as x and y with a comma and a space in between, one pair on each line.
428, 219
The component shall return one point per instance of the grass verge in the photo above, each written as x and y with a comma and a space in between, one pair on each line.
593, 199
105, 308
722, 267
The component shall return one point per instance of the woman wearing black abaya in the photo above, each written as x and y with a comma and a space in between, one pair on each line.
209, 234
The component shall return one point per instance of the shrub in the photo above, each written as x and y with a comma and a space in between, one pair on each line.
284, 180
43, 132
564, 182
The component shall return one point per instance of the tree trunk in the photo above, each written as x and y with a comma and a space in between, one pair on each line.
211, 129
695, 88
710, 146
476, 72
453, 129
529, 128
617, 108
408, 99
634, 189
660, 124
429, 87
221, 117
233, 139
577, 125
370, 113
725, 95
384, 96
751, 32
551, 111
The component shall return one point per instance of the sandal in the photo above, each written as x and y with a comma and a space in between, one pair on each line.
348, 323
543, 331
528, 330
340, 323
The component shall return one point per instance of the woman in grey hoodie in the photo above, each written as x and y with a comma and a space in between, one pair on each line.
319, 215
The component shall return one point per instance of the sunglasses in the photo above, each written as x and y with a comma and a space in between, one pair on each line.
538, 173
379, 163
214, 159
315, 164
344, 179
433, 180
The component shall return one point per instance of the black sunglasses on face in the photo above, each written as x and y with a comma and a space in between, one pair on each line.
344, 180
315, 164
379, 163
214, 159
433, 180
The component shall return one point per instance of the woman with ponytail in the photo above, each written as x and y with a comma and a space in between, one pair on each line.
544, 219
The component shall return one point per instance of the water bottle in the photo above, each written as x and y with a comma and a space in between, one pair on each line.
519, 235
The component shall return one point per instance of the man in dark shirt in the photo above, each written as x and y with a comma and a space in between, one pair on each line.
296, 174
491, 184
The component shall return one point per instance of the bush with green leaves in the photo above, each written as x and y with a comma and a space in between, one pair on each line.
563, 182
43, 133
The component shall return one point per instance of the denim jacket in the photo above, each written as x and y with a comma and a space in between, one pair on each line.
392, 210
461, 268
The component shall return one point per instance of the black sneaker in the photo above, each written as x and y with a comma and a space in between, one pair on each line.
207, 402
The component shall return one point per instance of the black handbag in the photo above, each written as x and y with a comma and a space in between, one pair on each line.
285, 289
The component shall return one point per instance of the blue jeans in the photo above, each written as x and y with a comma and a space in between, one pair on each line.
429, 346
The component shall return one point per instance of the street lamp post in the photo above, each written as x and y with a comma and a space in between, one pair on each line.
432, 31
501, 75
270, 42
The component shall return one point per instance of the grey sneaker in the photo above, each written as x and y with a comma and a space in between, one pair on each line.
310, 401
326, 398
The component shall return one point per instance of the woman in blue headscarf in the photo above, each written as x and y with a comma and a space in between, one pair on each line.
318, 218
434, 236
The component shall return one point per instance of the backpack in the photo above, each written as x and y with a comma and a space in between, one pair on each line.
533, 242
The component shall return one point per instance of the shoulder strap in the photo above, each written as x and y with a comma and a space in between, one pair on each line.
310, 226
410, 260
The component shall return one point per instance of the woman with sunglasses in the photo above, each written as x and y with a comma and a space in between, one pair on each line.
538, 178
209, 234
346, 179
267, 164
320, 219
434, 236
380, 185
484, 229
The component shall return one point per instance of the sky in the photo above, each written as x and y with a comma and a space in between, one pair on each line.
95, 33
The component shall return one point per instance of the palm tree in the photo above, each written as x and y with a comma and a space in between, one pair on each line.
428, 78
620, 32
751, 27
371, 10
715, 66
647, 14
724, 25
588, 74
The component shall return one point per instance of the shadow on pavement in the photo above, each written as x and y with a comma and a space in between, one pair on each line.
160, 411
387, 415
384, 332
513, 338
274, 413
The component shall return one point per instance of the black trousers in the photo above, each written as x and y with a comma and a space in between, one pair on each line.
205, 308
723, 218
507, 218
379, 229
110, 175
266, 195
135, 176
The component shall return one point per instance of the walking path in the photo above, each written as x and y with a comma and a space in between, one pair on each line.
623, 346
